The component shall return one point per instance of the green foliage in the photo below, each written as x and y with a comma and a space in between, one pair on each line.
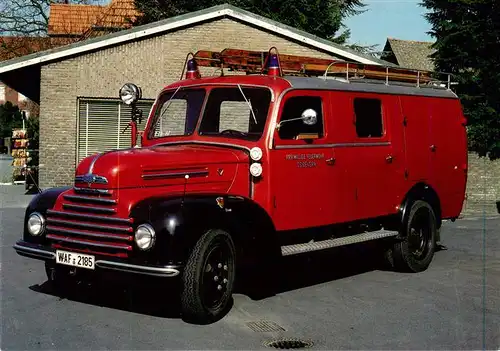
467, 44
10, 118
319, 17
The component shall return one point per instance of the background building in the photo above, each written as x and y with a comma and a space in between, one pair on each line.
77, 84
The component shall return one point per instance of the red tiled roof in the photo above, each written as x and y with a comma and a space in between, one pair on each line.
76, 20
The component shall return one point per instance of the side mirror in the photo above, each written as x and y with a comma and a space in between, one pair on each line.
308, 117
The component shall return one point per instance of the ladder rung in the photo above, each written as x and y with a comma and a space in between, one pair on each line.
330, 243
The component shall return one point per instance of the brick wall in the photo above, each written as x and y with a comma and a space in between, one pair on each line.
151, 63
483, 186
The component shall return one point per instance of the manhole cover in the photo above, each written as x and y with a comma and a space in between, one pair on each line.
287, 344
265, 326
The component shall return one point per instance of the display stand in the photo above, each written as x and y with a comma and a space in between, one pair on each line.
20, 154
23, 172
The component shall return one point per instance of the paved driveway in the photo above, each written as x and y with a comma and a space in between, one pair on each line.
338, 300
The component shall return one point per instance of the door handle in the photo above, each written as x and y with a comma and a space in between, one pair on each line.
330, 161
389, 159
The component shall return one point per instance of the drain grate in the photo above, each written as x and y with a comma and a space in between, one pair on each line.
265, 326
288, 344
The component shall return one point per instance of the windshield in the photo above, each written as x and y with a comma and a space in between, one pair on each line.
177, 113
238, 112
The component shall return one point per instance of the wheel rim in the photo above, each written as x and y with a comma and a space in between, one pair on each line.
217, 272
420, 234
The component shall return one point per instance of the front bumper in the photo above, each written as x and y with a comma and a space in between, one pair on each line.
39, 252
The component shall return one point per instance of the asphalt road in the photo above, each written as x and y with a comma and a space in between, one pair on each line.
337, 300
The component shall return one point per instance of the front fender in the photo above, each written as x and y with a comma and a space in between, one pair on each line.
41, 203
180, 222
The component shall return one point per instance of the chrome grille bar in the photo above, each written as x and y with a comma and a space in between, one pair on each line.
97, 200
89, 234
90, 243
92, 191
89, 217
89, 225
90, 209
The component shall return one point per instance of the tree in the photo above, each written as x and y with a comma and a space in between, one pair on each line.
10, 118
467, 45
322, 18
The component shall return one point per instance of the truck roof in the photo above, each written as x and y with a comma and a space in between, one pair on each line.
279, 84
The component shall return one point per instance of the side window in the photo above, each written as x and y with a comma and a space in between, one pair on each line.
304, 118
368, 118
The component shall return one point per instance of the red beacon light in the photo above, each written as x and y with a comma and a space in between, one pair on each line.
192, 70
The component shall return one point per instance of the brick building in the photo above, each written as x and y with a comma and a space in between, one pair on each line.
80, 112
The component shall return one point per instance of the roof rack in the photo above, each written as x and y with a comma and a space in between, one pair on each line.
262, 62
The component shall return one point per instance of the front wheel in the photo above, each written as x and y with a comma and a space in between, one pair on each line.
208, 278
416, 250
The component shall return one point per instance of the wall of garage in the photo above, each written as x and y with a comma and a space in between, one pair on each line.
151, 63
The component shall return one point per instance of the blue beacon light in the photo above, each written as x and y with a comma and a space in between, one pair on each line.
192, 69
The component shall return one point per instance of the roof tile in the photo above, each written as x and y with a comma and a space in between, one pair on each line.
412, 54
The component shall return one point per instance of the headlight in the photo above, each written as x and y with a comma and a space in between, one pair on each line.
256, 153
256, 169
145, 236
130, 93
35, 224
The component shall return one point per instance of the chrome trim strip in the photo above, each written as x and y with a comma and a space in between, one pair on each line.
199, 142
90, 199
89, 226
169, 271
175, 175
44, 254
89, 208
92, 191
91, 166
57, 230
339, 145
91, 217
82, 242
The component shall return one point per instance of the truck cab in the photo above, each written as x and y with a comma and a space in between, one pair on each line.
296, 155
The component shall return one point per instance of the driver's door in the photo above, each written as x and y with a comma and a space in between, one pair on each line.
302, 163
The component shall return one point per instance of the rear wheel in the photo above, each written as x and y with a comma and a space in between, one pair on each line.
415, 251
208, 278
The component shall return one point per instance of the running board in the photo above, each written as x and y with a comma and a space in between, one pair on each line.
327, 244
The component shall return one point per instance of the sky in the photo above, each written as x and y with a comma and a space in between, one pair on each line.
401, 19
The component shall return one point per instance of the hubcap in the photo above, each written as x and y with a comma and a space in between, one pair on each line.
216, 276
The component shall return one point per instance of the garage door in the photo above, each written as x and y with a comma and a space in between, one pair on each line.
101, 123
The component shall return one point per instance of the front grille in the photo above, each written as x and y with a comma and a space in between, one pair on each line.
88, 223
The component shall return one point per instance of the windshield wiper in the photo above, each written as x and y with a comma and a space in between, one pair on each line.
248, 103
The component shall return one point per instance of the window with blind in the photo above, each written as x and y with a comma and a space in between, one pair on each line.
101, 122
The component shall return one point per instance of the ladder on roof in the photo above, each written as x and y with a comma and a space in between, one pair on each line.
254, 62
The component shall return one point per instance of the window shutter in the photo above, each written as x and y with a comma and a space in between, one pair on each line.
101, 122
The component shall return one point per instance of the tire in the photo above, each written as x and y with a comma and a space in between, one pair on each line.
415, 251
208, 278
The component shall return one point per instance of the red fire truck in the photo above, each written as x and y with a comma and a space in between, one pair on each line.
290, 155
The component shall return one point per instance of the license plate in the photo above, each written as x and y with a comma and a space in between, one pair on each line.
75, 259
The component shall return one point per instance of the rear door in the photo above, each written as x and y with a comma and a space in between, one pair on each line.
302, 166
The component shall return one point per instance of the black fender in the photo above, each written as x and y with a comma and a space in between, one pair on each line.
180, 221
420, 191
41, 203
